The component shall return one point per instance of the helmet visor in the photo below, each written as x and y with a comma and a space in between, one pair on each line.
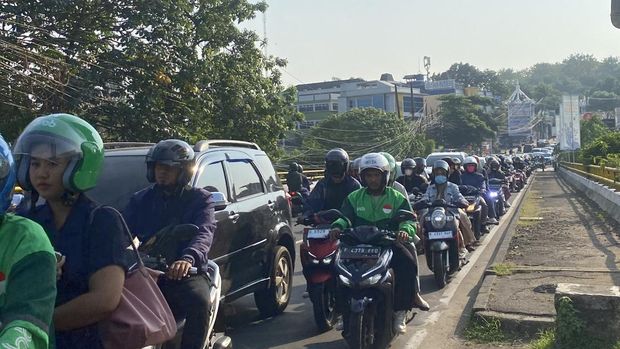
46, 146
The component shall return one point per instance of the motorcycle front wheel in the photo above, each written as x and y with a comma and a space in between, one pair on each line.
323, 297
359, 332
439, 269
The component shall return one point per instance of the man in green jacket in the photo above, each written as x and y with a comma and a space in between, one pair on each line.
27, 271
376, 204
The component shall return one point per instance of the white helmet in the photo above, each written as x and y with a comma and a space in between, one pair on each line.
375, 161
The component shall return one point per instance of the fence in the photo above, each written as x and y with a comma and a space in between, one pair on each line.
605, 175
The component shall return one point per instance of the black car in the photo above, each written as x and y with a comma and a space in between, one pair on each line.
253, 244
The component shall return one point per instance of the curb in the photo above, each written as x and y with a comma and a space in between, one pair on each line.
524, 325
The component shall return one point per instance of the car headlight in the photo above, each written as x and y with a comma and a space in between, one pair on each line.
493, 194
372, 280
438, 219
345, 280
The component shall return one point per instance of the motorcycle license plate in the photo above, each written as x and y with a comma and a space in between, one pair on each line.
318, 233
439, 235
360, 252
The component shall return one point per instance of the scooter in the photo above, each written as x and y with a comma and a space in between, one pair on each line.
441, 239
296, 200
317, 253
367, 284
162, 248
474, 210
496, 193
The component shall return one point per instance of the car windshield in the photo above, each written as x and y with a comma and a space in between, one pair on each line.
121, 177
430, 160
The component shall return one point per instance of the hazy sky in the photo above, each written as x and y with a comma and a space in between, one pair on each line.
322, 39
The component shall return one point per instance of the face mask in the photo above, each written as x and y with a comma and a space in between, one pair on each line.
441, 179
408, 172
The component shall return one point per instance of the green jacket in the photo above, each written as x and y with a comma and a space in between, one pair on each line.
27, 284
361, 208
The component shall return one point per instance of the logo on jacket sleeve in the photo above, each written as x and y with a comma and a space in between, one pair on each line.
387, 208
2, 283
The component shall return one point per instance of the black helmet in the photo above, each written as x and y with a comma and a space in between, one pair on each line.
494, 164
336, 162
407, 163
449, 161
441, 164
420, 162
300, 168
456, 161
172, 152
293, 167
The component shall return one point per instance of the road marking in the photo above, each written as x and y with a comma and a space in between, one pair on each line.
420, 331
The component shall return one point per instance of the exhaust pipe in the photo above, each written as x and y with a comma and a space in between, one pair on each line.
615, 13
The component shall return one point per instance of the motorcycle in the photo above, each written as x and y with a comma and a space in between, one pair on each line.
164, 247
496, 193
367, 284
441, 239
474, 210
520, 180
296, 200
317, 254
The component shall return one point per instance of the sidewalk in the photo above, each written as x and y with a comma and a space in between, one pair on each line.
561, 236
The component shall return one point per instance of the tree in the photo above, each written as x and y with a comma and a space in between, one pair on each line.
362, 131
461, 124
591, 130
470, 76
146, 70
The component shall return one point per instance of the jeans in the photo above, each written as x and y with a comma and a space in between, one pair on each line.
189, 298
489, 207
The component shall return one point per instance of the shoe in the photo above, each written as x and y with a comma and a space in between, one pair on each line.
400, 325
492, 221
470, 248
339, 326
305, 294
476, 243
420, 303
507, 205
485, 230
463, 254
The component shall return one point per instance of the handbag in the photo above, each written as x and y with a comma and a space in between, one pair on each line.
143, 316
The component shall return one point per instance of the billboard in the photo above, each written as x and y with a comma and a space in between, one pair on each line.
569, 130
520, 115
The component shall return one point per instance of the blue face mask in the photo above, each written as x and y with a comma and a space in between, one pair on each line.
441, 179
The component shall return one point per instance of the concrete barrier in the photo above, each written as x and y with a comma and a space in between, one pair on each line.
606, 198
597, 306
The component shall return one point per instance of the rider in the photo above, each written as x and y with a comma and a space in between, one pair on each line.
495, 172
296, 180
454, 176
27, 271
420, 168
376, 204
409, 179
331, 191
392, 179
457, 165
354, 169
60, 156
443, 189
473, 178
170, 202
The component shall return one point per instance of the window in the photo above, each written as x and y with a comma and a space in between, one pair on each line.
407, 104
335, 106
267, 171
120, 178
212, 178
364, 102
321, 107
306, 107
245, 180
378, 102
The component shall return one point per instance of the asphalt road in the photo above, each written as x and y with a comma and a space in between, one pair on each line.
295, 328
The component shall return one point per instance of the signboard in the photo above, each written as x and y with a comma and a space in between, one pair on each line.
520, 115
569, 130
449, 84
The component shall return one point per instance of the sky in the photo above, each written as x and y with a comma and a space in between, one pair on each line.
322, 39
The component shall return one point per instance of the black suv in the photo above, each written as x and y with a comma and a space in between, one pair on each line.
253, 244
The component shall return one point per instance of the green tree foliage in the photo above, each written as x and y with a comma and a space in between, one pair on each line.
142, 70
592, 129
463, 123
470, 76
362, 131
605, 146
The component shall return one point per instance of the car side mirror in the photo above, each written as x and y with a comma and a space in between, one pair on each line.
220, 200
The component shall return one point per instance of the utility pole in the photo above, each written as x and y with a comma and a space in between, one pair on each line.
396, 100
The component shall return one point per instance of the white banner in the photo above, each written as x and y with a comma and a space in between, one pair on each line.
569, 130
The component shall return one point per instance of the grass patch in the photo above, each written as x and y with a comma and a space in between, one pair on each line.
546, 340
529, 208
503, 269
481, 330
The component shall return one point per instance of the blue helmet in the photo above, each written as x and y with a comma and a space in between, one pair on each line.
7, 175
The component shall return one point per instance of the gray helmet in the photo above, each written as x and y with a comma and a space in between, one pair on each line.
441, 164
172, 152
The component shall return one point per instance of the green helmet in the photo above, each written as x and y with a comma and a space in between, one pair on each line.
64, 135
392, 162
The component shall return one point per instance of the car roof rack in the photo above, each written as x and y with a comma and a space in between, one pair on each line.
206, 144
118, 145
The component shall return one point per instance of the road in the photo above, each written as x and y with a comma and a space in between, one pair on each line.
295, 328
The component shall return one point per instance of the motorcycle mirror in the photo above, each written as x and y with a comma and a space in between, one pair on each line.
220, 200
330, 215
615, 13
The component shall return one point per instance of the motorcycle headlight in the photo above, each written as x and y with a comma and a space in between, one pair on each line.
438, 219
327, 260
372, 280
493, 194
345, 280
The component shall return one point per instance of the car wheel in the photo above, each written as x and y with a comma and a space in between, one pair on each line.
274, 299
